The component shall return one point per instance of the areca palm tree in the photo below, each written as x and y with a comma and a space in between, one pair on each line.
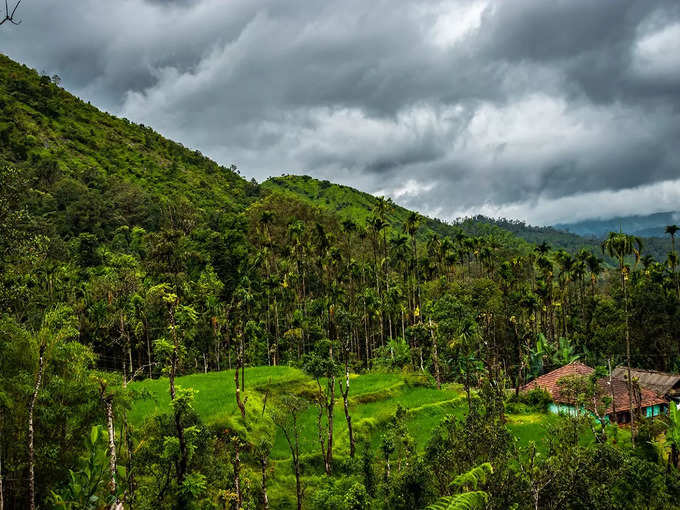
672, 230
619, 246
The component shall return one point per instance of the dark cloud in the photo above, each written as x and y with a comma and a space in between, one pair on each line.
519, 107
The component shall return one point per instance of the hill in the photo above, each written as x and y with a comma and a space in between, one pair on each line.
648, 225
350, 203
100, 170
558, 237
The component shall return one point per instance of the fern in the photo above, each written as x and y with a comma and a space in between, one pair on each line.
473, 478
472, 498
465, 501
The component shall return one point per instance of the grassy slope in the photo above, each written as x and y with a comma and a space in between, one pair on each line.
374, 398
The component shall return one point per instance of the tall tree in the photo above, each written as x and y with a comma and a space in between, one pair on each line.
620, 246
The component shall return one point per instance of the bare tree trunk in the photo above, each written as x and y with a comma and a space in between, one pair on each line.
237, 472
182, 464
31, 449
240, 403
322, 442
329, 408
296, 461
345, 401
265, 498
435, 356
148, 348
630, 379
108, 405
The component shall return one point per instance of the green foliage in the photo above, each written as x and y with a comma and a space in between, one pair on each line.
127, 252
87, 487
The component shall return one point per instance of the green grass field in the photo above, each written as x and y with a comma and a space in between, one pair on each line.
374, 398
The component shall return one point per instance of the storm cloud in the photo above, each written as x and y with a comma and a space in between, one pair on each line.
548, 111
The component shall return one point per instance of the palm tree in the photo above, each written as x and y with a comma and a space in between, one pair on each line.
619, 246
671, 230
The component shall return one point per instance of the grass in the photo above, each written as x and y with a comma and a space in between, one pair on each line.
374, 398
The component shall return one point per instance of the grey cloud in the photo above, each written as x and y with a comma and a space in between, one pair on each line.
447, 105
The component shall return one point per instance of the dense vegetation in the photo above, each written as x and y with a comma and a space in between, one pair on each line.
173, 336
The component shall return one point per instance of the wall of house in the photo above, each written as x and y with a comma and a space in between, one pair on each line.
557, 408
653, 411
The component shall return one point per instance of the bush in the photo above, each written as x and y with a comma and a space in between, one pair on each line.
536, 399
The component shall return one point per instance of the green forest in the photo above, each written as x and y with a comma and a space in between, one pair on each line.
174, 336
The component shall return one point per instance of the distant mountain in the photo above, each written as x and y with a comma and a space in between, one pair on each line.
650, 225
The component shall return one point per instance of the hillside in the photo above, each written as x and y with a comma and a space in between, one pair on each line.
648, 225
89, 161
373, 401
557, 237
350, 203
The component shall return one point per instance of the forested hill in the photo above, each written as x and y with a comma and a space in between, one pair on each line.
350, 203
647, 225
559, 238
104, 172
355, 205
77, 150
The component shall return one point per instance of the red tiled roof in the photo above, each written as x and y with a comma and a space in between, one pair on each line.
549, 382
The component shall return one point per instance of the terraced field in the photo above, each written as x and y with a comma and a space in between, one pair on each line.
374, 398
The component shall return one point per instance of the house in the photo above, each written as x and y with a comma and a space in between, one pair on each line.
651, 404
661, 383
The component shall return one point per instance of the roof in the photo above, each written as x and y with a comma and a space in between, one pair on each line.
549, 382
660, 382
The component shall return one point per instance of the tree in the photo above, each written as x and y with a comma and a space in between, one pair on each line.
58, 325
673, 435
9, 16
322, 365
620, 246
285, 415
672, 230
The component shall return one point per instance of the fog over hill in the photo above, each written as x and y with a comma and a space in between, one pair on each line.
650, 225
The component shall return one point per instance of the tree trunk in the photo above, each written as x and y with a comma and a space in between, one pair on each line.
148, 348
31, 449
322, 442
329, 409
263, 466
237, 473
240, 403
435, 356
630, 380
182, 464
108, 405
345, 400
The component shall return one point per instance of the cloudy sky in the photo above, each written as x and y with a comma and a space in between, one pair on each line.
543, 110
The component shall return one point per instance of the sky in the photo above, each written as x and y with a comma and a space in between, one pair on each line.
548, 111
